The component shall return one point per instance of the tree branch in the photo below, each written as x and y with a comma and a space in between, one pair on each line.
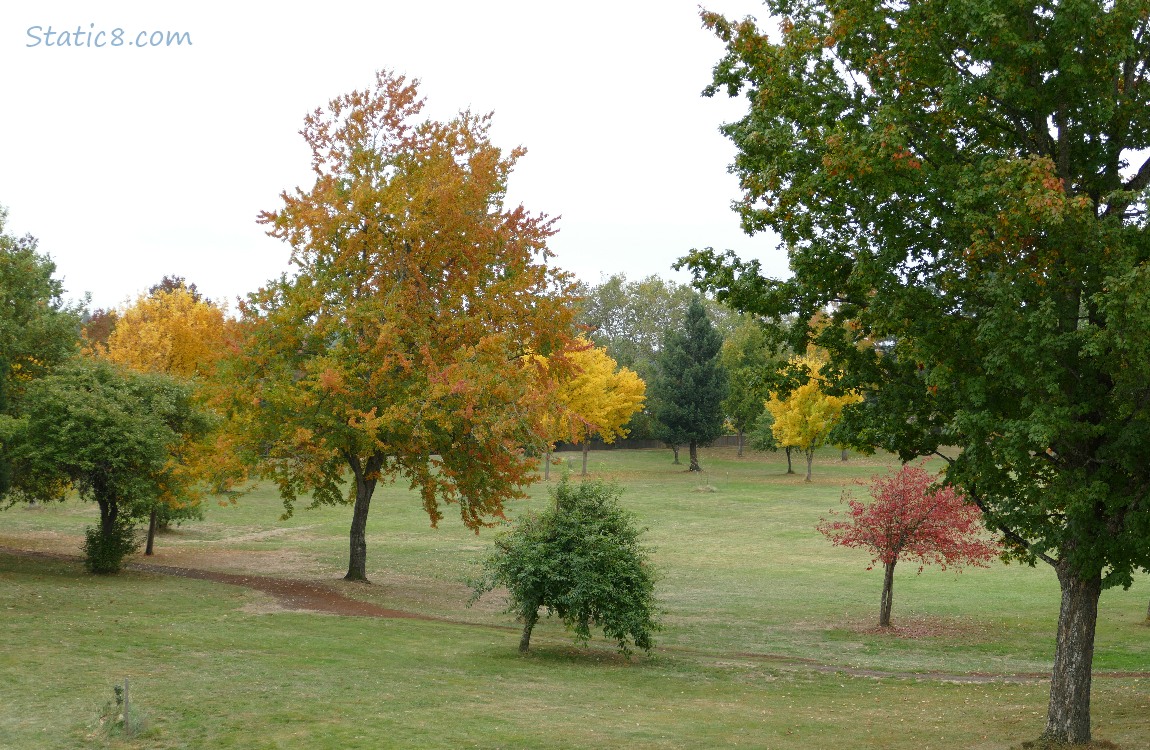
1011, 534
1140, 180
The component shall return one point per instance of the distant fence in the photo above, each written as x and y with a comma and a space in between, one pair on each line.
724, 441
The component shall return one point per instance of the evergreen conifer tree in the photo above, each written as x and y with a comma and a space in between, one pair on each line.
691, 383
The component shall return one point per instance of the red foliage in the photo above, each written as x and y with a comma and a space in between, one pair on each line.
911, 518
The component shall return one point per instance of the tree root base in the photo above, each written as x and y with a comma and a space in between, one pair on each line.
1047, 744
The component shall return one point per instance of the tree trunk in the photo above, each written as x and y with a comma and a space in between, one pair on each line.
790, 469
151, 531
844, 454
1068, 718
547, 467
675, 449
740, 453
528, 624
887, 601
810, 457
694, 447
586, 450
109, 508
365, 479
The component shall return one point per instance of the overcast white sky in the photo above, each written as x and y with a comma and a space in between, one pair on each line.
130, 163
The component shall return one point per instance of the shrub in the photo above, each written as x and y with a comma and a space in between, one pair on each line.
105, 552
581, 560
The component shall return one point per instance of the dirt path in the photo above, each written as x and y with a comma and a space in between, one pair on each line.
293, 594
313, 596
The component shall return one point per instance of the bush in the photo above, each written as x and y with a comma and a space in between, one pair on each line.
582, 560
104, 553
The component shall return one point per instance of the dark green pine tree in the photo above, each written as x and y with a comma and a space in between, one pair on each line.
691, 383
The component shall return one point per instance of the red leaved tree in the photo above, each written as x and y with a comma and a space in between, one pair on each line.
911, 518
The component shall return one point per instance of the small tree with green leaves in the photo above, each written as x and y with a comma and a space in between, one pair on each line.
582, 560
751, 362
110, 435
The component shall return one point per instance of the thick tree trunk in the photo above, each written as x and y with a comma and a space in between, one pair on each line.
547, 467
740, 453
675, 450
365, 478
887, 601
528, 626
844, 454
151, 531
810, 458
586, 450
694, 447
790, 469
1068, 718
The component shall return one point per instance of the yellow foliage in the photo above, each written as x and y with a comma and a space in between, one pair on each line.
169, 332
599, 398
173, 333
805, 418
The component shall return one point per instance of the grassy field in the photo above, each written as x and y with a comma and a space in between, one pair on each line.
768, 640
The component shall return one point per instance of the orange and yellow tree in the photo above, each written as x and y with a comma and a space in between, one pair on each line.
172, 330
596, 399
804, 418
396, 347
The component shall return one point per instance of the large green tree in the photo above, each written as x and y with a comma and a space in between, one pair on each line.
691, 383
37, 328
965, 182
402, 344
109, 434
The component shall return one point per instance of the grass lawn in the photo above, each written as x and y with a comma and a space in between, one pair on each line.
768, 640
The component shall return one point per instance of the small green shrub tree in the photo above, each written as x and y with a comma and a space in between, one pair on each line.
110, 435
106, 547
582, 560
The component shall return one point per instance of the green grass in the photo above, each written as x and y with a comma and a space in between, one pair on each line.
750, 592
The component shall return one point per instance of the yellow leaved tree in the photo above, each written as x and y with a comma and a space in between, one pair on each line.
805, 417
597, 399
174, 331
170, 330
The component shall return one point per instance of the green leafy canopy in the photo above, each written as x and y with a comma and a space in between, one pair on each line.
959, 182
583, 561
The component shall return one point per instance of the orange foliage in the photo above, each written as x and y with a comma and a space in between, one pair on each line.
396, 349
